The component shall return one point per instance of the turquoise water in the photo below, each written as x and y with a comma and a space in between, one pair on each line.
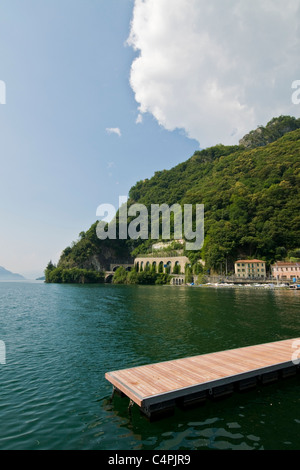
61, 339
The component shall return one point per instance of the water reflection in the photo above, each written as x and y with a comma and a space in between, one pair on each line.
241, 422
62, 339
166, 323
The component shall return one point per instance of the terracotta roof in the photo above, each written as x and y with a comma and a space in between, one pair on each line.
250, 261
283, 263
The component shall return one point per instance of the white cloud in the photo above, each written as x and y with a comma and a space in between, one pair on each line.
216, 69
113, 130
139, 119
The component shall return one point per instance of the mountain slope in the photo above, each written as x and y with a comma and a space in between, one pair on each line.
251, 198
275, 129
6, 275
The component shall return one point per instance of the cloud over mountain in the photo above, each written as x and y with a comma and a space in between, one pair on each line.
215, 69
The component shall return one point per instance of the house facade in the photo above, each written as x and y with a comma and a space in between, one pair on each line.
250, 269
285, 271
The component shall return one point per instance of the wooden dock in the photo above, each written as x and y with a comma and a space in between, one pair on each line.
157, 388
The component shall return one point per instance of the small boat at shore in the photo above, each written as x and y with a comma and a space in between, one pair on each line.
295, 287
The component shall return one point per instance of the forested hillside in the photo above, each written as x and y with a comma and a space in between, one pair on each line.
251, 198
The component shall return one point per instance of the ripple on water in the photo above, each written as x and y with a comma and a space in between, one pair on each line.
62, 339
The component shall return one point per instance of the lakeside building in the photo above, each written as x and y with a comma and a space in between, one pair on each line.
161, 263
285, 271
250, 269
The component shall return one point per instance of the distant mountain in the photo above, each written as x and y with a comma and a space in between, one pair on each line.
9, 276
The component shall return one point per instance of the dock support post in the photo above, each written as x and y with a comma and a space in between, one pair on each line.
112, 394
131, 403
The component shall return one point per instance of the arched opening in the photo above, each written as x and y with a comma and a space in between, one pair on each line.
109, 278
177, 268
168, 267
115, 268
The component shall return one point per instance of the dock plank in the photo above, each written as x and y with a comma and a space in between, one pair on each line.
157, 383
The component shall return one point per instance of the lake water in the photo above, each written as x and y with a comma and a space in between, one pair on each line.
61, 339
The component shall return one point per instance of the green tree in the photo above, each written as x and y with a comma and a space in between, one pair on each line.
120, 276
132, 277
188, 274
50, 267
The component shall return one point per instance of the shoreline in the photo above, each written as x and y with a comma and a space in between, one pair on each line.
223, 285
252, 286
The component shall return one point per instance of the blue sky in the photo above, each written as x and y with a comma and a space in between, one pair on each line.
177, 85
66, 67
